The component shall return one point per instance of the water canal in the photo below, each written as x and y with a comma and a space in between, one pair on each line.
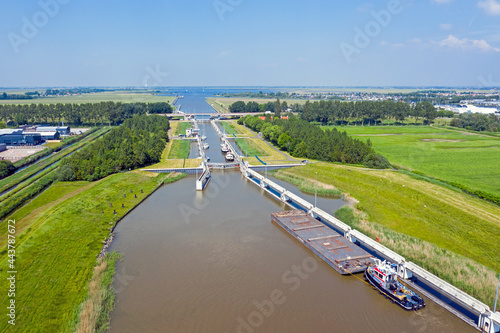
212, 261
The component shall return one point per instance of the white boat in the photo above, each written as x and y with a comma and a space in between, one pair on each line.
203, 137
206, 146
224, 149
229, 157
384, 278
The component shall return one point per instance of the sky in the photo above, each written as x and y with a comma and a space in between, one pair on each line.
63, 43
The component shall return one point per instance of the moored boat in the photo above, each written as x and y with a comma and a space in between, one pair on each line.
229, 157
203, 137
384, 278
224, 149
206, 146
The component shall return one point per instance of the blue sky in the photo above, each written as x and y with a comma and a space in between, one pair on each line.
243, 42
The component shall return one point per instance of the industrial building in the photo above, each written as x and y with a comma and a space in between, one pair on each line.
3, 147
17, 137
63, 130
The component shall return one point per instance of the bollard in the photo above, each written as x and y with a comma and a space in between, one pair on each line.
124, 196
135, 196
123, 206
141, 190
114, 212
131, 191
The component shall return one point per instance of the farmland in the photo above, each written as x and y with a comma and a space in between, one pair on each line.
454, 156
115, 96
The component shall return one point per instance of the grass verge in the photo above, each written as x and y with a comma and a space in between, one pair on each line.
181, 128
96, 310
230, 128
308, 185
179, 149
250, 148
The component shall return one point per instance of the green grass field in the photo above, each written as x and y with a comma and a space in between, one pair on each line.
182, 127
115, 96
250, 148
56, 255
454, 156
230, 128
180, 149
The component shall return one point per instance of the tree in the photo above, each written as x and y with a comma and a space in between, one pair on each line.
284, 141
277, 108
237, 107
252, 107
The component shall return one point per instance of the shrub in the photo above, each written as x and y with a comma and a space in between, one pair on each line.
375, 161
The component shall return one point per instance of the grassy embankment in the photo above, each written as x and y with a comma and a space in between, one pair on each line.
59, 234
453, 156
308, 185
230, 128
113, 96
449, 233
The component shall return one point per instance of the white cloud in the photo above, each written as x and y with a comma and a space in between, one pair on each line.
383, 43
467, 44
491, 7
446, 26
398, 45
300, 59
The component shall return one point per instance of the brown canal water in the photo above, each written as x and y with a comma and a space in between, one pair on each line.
214, 262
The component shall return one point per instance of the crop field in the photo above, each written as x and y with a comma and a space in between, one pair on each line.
57, 247
123, 97
460, 157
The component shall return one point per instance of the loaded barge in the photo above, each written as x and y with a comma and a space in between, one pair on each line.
341, 254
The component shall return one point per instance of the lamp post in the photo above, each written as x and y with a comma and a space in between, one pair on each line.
316, 191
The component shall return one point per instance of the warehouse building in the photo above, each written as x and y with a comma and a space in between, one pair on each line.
17, 137
63, 130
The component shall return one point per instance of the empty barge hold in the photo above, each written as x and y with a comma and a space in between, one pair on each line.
338, 252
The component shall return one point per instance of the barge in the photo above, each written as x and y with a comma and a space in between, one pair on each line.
341, 254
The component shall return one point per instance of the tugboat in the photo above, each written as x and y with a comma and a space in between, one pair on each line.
229, 157
383, 276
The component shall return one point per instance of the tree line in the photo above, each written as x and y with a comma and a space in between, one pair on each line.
138, 142
240, 106
477, 122
338, 113
365, 112
305, 140
110, 113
